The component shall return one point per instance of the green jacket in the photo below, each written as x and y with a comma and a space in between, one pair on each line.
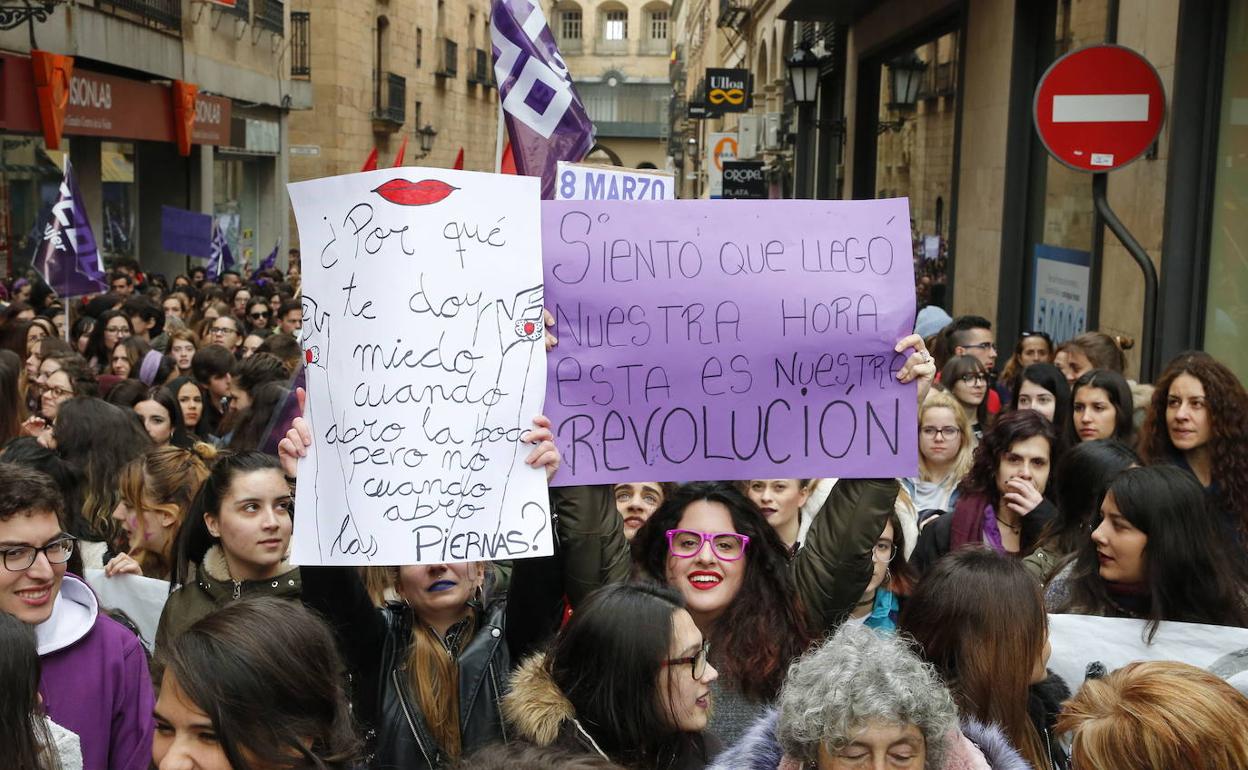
830, 570
213, 589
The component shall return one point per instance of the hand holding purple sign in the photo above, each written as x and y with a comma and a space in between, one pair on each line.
702, 339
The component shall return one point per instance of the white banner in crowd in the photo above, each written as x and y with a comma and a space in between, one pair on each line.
1114, 642
422, 297
587, 182
141, 598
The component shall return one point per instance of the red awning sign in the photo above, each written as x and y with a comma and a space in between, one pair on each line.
1099, 108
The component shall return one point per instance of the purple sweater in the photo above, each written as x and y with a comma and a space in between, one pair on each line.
95, 681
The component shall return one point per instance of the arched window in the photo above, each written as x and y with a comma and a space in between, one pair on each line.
569, 21
614, 20
658, 16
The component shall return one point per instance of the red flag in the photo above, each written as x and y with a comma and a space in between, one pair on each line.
508, 165
459, 160
398, 159
371, 163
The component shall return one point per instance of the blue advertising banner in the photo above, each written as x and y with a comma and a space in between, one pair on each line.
1059, 291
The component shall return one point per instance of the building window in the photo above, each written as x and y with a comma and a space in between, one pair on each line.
570, 25
616, 26
420, 45
658, 25
416, 114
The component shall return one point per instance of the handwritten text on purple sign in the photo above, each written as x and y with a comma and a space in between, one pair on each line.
729, 340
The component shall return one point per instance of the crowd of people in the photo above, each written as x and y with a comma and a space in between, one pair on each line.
154, 430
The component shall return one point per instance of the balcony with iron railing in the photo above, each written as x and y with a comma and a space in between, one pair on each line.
300, 44
271, 16
605, 47
479, 70
390, 112
164, 15
734, 13
448, 59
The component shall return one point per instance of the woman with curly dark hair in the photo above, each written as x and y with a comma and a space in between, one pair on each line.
1198, 420
1001, 502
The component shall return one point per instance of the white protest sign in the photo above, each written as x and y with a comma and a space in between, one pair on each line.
1114, 642
422, 303
141, 598
587, 182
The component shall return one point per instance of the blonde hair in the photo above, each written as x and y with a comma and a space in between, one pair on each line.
1158, 715
165, 480
942, 399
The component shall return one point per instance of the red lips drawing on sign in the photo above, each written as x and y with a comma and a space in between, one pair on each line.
422, 193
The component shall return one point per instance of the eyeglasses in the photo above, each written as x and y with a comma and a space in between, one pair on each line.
971, 379
223, 330
982, 346
947, 433
727, 546
22, 557
698, 661
59, 392
258, 316
883, 552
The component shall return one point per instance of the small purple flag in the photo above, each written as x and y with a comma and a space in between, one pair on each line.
546, 120
189, 232
270, 262
221, 259
67, 257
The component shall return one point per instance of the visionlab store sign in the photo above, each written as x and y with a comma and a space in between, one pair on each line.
728, 90
744, 179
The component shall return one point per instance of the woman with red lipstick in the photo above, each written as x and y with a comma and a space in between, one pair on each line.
1157, 553
781, 502
1101, 407
234, 543
1198, 420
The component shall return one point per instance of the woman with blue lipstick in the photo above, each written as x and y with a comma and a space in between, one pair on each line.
430, 669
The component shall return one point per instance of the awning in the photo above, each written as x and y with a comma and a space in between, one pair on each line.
843, 11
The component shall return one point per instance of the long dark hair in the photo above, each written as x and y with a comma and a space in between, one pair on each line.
1051, 379
978, 617
607, 661
1195, 572
1009, 429
26, 740
1228, 424
95, 344
161, 395
10, 398
268, 674
253, 425
764, 627
100, 439
1119, 393
1082, 478
194, 539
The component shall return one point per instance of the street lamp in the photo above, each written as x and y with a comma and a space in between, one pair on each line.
427, 135
803, 68
905, 76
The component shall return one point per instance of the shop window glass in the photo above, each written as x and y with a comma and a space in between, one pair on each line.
1226, 316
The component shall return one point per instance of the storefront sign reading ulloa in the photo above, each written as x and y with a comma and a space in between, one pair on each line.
728, 90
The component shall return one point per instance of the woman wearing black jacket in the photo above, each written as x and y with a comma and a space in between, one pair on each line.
431, 669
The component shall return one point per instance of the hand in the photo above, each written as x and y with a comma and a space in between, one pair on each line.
297, 440
545, 454
549, 321
122, 564
34, 425
1021, 496
919, 366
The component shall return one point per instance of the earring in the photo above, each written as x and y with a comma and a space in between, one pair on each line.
888, 577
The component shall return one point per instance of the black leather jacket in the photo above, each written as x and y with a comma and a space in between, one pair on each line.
375, 643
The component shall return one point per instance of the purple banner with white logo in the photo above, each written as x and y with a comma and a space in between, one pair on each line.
68, 258
188, 232
546, 120
221, 258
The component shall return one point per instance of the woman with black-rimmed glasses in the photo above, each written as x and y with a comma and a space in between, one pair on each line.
967, 380
628, 679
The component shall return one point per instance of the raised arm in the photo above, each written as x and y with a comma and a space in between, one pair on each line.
591, 539
833, 567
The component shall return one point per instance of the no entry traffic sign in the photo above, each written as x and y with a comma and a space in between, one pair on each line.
1099, 108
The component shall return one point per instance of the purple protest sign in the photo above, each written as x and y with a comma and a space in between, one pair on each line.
188, 232
729, 339
545, 118
67, 257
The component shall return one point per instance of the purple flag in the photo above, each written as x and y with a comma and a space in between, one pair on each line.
67, 258
270, 262
189, 232
221, 259
546, 120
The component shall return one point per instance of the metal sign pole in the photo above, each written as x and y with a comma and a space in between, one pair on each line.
1141, 257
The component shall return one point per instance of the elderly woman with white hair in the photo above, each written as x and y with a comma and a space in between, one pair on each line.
863, 701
